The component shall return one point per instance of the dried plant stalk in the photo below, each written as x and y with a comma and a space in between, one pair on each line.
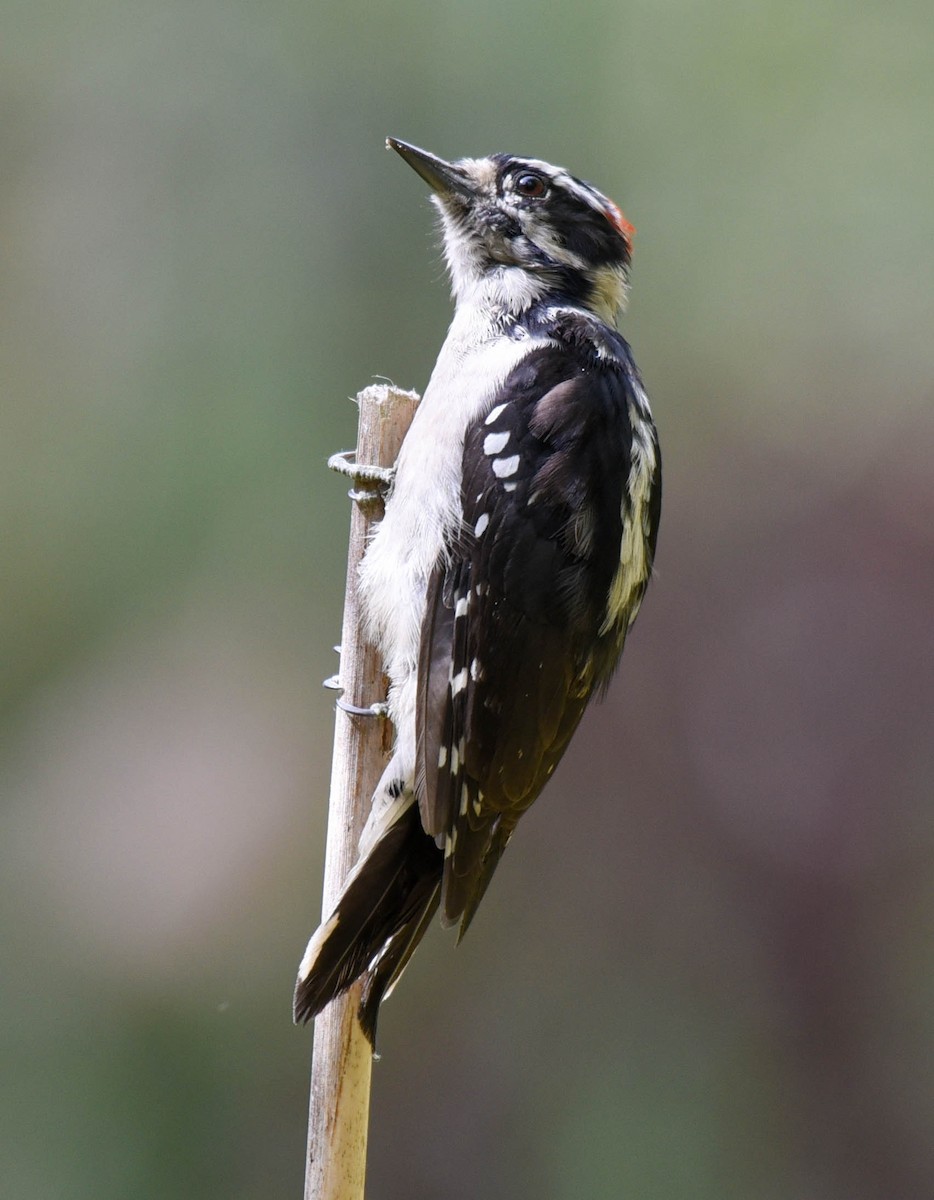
342, 1058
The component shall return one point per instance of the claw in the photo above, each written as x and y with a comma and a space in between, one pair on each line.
365, 472
379, 709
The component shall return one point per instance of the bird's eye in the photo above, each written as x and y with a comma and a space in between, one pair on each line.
530, 185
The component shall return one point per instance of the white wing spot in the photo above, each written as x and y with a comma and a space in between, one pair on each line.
475, 670
509, 487
494, 413
442, 756
460, 608
459, 682
504, 467
495, 443
455, 761
482, 523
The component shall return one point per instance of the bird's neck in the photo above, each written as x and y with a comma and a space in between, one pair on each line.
510, 292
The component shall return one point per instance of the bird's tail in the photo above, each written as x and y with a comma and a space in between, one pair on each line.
386, 906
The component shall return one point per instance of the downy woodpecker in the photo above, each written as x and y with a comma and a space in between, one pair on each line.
515, 549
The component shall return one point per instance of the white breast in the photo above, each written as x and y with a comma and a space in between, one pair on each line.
424, 507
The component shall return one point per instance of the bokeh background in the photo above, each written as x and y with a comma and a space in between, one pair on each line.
705, 967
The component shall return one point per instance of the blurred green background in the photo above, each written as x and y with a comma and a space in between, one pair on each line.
706, 966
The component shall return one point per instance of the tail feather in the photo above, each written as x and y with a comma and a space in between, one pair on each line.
381, 916
384, 976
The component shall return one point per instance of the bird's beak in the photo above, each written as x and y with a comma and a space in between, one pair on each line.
447, 179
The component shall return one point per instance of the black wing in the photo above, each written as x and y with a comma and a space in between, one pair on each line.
514, 642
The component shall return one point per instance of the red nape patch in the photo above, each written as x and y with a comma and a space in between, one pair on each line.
619, 222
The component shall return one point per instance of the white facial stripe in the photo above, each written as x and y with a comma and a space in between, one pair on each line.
542, 236
587, 194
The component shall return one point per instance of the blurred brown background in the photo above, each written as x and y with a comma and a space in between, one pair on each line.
705, 967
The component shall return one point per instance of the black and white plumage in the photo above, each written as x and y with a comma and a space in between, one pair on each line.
512, 559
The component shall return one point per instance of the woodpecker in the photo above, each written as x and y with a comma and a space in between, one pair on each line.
516, 546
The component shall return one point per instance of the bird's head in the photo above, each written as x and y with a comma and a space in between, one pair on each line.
523, 230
